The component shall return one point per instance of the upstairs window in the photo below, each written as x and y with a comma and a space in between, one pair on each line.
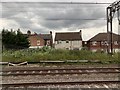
38, 42
94, 43
115, 43
48, 42
29, 41
58, 42
67, 41
104, 43
85, 42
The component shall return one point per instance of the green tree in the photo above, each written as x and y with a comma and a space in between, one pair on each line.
21, 40
8, 38
12, 40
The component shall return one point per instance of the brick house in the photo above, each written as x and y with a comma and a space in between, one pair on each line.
68, 40
40, 40
100, 42
48, 40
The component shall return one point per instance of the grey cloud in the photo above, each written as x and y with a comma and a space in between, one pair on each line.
24, 23
23, 13
69, 17
39, 30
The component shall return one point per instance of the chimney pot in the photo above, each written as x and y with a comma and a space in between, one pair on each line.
29, 32
80, 32
50, 32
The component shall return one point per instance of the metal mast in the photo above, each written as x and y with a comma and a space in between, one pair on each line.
111, 10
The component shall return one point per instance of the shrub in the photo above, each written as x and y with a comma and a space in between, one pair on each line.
46, 53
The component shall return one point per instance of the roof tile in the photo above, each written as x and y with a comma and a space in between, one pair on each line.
68, 36
104, 36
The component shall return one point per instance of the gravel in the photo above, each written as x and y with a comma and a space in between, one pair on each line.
62, 65
64, 87
55, 78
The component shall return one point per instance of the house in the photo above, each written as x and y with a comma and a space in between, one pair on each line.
48, 40
40, 40
102, 41
68, 40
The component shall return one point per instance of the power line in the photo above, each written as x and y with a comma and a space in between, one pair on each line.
47, 9
82, 19
68, 19
61, 2
55, 19
37, 7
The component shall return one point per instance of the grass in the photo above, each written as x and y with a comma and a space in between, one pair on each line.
35, 55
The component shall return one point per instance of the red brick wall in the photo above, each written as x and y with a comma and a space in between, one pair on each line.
100, 46
33, 40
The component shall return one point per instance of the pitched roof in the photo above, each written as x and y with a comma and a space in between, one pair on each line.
68, 36
104, 36
46, 36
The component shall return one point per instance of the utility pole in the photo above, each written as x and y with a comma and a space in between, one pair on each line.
111, 10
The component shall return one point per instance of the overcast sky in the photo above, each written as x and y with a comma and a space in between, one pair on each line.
42, 18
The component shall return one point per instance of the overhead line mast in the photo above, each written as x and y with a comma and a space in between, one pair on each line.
111, 10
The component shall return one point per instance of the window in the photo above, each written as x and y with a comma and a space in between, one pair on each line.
67, 48
58, 42
48, 42
104, 43
116, 43
67, 41
38, 42
94, 43
29, 41
85, 42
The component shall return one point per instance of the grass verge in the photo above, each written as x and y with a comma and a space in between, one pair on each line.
36, 55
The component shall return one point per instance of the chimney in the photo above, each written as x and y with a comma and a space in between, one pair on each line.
51, 32
28, 32
80, 32
35, 33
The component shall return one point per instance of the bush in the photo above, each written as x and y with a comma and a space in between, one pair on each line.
46, 53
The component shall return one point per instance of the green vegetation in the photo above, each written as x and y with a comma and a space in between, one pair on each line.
14, 40
35, 55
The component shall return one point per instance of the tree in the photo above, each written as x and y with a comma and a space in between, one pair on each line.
21, 40
12, 40
8, 38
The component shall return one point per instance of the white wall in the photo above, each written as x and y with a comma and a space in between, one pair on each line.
70, 45
35, 46
116, 50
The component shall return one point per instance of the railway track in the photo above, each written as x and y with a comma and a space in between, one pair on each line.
54, 71
60, 83
89, 83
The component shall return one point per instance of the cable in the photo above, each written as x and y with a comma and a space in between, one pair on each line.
60, 2
77, 19
55, 19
